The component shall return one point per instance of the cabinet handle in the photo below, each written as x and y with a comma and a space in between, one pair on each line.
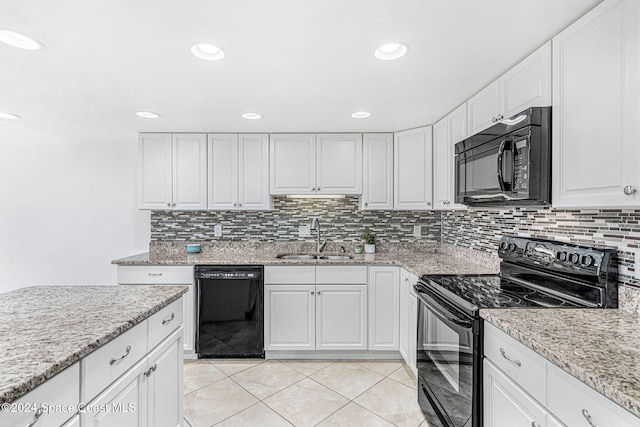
36, 417
155, 274
235, 205
500, 117
366, 204
428, 203
446, 202
504, 354
169, 319
173, 205
318, 292
587, 415
115, 359
494, 119
240, 205
313, 189
168, 204
629, 190
151, 370
312, 292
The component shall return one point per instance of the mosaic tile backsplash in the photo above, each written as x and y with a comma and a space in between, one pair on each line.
340, 219
481, 229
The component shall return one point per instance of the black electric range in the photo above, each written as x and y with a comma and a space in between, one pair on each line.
534, 273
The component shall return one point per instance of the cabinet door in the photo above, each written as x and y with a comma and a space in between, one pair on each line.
384, 308
412, 169
223, 171
189, 172
413, 333
341, 317
442, 193
484, 108
253, 174
189, 319
123, 403
164, 383
506, 404
596, 105
154, 171
339, 163
403, 345
377, 189
528, 84
292, 164
289, 317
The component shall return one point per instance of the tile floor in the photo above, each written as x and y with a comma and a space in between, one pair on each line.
300, 393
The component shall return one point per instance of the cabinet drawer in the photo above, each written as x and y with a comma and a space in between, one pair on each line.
155, 275
61, 389
281, 275
327, 274
568, 397
106, 364
164, 322
526, 368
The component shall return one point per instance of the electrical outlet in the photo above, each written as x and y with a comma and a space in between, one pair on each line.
304, 231
217, 230
417, 231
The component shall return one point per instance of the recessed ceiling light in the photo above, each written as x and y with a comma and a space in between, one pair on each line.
390, 51
251, 116
19, 40
8, 116
361, 115
207, 52
147, 114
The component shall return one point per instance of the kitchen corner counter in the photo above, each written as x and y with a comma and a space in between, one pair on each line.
46, 329
434, 260
598, 347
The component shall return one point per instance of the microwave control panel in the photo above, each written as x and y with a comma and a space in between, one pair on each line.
521, 165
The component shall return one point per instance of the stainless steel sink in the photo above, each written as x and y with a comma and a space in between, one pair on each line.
335, 257
296, 256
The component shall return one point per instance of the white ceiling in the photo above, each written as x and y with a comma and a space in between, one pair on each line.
305, 65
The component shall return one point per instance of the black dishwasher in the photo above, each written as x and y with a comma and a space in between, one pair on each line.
230, 311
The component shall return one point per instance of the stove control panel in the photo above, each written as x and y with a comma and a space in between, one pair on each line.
557, 256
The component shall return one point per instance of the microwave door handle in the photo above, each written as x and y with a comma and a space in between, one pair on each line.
503, 144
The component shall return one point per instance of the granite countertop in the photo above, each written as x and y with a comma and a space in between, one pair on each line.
46, 329
598, 347
433, 260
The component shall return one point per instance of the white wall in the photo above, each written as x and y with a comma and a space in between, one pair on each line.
67, 208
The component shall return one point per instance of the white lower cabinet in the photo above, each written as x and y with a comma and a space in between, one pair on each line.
167, 275
384, 308
289, 317
148, 394
408, 319
506, 404
315, 308
413, 328
520, 391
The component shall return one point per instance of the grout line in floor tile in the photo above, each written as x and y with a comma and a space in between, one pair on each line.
221, 421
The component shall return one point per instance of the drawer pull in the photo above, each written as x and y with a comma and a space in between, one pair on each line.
36, 417
504, 354
155, 274
587, 415
115, 359
151, 370
169, 319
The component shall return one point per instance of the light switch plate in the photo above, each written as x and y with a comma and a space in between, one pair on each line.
417, 230
304, 231
217, 230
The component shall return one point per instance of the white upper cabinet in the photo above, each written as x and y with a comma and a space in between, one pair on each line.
172, 171
377, 189
446, 133
596, 108
316, 164
412, 167
528, 84
238, 172
293, 164
339, 164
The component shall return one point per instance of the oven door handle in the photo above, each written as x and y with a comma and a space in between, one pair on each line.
443, 313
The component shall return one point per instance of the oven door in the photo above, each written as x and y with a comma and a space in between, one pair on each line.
447, 369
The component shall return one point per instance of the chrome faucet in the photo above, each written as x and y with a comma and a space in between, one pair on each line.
316, 224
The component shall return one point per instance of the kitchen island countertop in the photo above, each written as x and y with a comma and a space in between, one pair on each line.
46, 329
598, 347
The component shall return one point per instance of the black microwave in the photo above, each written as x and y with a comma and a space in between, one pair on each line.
508, 164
